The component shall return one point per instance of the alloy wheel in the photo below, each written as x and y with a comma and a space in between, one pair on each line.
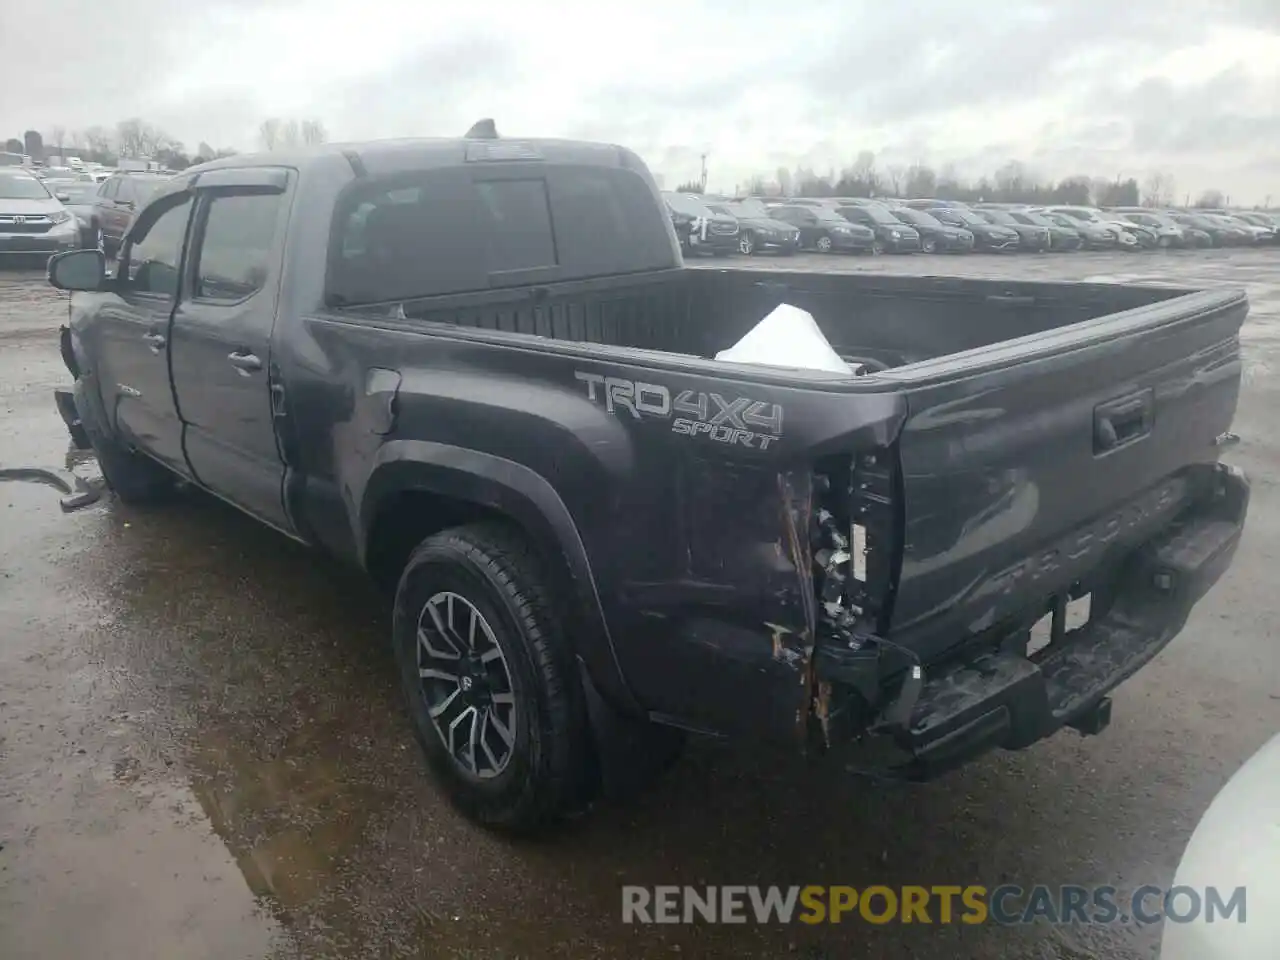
747, 244
466, 683
929, 245
824, 244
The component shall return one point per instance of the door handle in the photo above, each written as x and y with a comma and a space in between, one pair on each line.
246, 363
155, 341
1124, 420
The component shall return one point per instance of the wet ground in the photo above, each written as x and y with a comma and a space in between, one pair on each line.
203, 754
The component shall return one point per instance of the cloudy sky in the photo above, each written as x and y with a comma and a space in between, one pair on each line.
1103, 87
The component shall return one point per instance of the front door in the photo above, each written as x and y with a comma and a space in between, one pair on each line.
221, 351
133, 333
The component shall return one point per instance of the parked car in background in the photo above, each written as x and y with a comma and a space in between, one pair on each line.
1095, 236
1147, 237
1262, 220
1125, 237
33, 220
1169, 233
758, 231
986, 235
927, 203
698, 227
824, 230
80, 200
1219, 235
1030, 237
1257, 233
118, 198
1061, 238
935, 236
891, 234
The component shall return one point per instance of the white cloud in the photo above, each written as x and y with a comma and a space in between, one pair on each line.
1066, 86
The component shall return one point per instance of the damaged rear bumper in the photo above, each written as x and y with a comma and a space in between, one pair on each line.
1008, 699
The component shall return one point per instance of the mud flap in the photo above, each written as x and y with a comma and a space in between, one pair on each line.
630, 752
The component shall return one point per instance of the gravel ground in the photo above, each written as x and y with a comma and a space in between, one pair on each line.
203, 754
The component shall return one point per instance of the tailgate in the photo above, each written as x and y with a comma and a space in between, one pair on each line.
1024, 464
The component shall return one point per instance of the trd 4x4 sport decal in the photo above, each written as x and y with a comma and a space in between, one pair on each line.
736, 421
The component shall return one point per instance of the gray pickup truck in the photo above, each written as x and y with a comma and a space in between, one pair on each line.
479, 369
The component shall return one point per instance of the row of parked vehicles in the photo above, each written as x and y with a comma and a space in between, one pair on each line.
750, 225
40, 216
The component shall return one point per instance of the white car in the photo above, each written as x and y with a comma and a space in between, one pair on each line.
1236, 844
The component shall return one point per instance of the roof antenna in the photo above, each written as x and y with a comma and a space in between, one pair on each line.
482, 130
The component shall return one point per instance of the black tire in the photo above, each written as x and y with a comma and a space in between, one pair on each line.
877, 248
928, 245
823, 244
134, 478
747, 243
549, 771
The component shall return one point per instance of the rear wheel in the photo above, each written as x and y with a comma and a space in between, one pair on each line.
490, 679
823, 243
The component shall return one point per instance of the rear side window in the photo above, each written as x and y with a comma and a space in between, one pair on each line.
455, 230
108, 189
235, 248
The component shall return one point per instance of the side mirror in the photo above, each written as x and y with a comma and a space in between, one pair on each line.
78, 270
64, 197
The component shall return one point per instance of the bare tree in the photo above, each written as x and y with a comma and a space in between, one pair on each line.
784, 181
1012, 180
895, 175
58, 137
290, 133
269, 133
921, 181
132, 138
98, 140
1158, 189
1212, 199
313, 132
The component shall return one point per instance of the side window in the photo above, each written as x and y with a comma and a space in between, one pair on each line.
125, 191
516, 218
151, 260
236, 245
108, 189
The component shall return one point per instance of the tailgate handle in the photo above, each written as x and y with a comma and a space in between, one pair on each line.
1124, 420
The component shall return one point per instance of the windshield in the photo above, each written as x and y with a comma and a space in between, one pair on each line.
21, 187
146, 186
79, 192
998, 216
916, 217
748, 208
965, 216
1035, 219
681, 203
879, 213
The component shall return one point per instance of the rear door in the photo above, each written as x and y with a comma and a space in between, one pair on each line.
221, 335
1023, 463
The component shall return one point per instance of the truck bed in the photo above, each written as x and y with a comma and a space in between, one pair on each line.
698, 312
